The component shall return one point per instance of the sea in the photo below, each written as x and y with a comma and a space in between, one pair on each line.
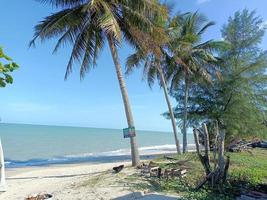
38, 145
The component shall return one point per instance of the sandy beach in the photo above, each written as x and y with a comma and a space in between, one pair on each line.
71, 182
63, 182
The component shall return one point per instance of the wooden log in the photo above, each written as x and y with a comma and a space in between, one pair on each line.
154, 171
152, 164
159, 173
170, 158
180, 162
179, 172
145, 169
118, 168
200, 185
183, 171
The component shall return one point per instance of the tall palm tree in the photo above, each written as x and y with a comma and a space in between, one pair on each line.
192, 58
86, 24
150, 54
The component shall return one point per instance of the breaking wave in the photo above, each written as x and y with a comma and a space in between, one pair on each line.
100, 157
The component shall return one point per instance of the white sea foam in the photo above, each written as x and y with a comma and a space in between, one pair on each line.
147, 150
144, 151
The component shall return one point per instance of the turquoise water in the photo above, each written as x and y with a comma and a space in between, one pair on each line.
35, 144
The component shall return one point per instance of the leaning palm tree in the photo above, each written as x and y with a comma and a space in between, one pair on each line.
150, 54
191, 59
86, 25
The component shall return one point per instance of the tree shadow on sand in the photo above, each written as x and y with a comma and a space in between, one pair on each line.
138, 195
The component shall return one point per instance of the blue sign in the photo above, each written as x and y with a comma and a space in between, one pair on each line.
129, 132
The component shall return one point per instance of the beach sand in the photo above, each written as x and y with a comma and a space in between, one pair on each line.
63, 182
74, 182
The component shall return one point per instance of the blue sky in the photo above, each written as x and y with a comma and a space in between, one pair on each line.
40, 95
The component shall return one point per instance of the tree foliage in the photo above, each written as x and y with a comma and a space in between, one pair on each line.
238, 96
191, 59
86, 24
6, 67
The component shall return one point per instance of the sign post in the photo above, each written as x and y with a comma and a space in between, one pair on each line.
129, 132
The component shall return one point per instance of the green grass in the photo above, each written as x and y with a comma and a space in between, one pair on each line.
249, 166
247, 170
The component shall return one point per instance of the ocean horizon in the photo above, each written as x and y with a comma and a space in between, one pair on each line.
36, 145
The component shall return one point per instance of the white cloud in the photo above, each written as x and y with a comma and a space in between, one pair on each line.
202, 1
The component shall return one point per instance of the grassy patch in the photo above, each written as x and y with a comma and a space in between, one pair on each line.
249, 166
94, 180
247, 170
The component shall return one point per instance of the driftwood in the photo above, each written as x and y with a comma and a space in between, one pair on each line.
200, 185
217, 174
118, 168
174, 168
159, 173
39, 197
253, 195
167, 173
239, 146
170, 158
153, 171
156, 172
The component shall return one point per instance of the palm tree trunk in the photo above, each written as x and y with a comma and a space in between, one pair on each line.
185, 114
163, 82
127, 107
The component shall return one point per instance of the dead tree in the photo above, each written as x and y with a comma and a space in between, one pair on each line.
217, 174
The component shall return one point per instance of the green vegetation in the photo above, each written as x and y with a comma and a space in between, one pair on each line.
6, 67
150, 55
191, 59
237, 98
247, 171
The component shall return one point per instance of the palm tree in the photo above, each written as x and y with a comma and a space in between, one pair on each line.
150, 54
191, 58
86, 24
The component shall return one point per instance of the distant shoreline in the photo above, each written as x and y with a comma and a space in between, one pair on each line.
84, 127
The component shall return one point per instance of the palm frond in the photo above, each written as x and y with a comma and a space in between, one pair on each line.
134, 61
63, 3
110, 25
58, 23
205, 27
86, 24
